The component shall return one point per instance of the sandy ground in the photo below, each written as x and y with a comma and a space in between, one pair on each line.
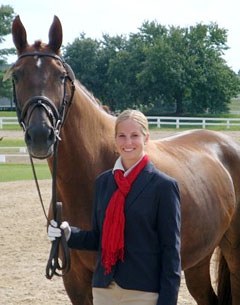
24, 247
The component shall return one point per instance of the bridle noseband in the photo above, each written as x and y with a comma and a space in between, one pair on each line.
55, 115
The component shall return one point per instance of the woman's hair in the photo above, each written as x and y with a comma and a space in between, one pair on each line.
136, 116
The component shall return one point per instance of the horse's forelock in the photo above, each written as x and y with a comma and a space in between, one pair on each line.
38, 44
40, 47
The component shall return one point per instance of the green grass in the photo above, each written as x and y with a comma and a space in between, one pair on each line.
16, 172
12, 127
8, 114
6, 142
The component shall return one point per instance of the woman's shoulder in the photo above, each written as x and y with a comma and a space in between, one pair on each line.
104, 175
158, 174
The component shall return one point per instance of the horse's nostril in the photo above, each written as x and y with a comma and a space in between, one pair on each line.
51, 136
28, 137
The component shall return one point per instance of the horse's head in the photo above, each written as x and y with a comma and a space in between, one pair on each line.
43, 88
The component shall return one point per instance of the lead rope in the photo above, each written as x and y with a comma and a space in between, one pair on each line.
55, 265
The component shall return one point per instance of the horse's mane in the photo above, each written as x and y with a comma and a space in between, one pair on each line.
90, 95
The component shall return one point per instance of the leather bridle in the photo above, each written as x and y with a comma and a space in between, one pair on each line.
57, 117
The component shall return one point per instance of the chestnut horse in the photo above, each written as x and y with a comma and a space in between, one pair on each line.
206, 164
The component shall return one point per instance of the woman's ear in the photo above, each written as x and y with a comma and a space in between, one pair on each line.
146, 138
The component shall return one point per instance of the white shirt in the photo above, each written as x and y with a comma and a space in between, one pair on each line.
118, 165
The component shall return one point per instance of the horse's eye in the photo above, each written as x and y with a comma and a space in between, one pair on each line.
62, 77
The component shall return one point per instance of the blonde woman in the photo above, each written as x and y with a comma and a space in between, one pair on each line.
135, 227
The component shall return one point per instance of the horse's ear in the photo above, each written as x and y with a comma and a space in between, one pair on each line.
55, 35
19, 35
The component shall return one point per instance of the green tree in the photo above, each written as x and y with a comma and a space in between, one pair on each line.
213, 83
6, 18
163, 74
184, 67
121, 75
171, 69
82, 56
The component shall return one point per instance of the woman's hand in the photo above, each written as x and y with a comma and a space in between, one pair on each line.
55, 232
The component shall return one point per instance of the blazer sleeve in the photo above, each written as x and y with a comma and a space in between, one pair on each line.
86, 240
169, 237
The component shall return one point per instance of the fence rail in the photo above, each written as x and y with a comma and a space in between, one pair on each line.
161, 121
8, 121
192, 121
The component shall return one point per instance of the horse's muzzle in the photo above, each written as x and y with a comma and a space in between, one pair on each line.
40, 141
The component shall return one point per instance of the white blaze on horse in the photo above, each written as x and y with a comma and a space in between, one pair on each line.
206, 165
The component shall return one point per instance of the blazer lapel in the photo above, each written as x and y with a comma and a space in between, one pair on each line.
139, 185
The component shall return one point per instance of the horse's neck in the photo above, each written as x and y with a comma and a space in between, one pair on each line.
87, 136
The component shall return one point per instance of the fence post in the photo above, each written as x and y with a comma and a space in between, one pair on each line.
177, 123
158, 122
1, 123
228, 124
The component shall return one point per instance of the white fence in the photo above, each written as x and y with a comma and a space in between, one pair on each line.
190, 121
8, 121
13, 154
161, 121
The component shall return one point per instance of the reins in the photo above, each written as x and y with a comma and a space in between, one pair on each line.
59, 248
55, 266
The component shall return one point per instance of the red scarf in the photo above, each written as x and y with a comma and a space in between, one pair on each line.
114, 221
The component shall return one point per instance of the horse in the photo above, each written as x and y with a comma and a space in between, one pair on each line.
205, 163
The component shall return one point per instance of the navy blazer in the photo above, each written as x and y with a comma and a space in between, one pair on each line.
152, 235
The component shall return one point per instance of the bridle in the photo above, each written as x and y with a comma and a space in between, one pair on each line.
57, 117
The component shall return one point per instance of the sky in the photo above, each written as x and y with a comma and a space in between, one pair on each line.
98, 17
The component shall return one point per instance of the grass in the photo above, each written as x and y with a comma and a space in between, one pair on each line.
17, 172
8, 114
12, 142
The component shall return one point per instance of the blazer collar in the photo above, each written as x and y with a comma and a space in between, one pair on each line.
139, 184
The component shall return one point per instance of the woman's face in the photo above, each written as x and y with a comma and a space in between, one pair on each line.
130, 142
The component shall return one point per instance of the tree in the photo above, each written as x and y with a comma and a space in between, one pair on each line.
82, 56
213, 83
6, 17
184, 67
169, 69
164, 70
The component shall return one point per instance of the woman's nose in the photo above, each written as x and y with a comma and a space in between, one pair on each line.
128, 140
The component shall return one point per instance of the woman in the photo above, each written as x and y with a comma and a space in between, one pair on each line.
136, 225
